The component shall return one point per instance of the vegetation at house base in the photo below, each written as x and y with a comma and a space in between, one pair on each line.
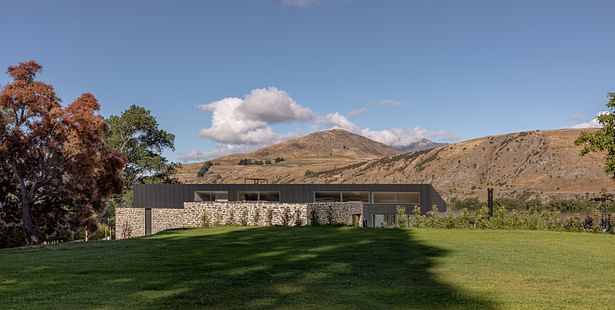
316, 268
473, 203
136, 134
604, 138
504, 219
55, 170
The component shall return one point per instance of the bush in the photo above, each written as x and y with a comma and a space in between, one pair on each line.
269, 217
298, 221
11, 236
257, 217
418, 220
402, 218
314, 220
205, 220
231, 217
243, 219
285, 217
204, 169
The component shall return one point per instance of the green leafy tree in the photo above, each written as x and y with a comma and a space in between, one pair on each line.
604, 138
136, 134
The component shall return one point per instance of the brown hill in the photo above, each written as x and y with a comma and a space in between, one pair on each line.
539, 164
536, 164
318, 151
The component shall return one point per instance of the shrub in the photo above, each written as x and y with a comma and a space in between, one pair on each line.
482, 218
231, 217
204, 169
471, 203
432, 219
269, 217
465, 220
298, 221
244, 217
418, 220
205, 220
218, 218
257, 217
402, 218
314, 220
500, 219
285, 217
11, 236
574, 223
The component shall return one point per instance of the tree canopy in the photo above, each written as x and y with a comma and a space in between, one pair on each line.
55, 170
603, 139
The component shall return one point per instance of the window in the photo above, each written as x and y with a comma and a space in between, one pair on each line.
355, 196
258, 196
397, 197
327, 197
247, 196
211, 196
269, 196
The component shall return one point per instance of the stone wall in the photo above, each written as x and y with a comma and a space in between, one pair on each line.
129, 223
250, 213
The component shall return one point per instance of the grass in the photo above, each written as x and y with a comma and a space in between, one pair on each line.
317, 268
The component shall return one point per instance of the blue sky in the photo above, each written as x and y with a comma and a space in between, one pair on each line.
395, 71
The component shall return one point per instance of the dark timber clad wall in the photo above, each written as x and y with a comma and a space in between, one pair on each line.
174, 195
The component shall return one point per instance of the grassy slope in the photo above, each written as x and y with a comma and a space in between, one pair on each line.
316, 267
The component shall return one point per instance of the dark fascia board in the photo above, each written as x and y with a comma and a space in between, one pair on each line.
174, 195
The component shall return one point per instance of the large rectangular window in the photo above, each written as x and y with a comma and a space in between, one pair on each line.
355, 196
211, 196
269, 196
247, 196
258, 196
327, 197
397, 197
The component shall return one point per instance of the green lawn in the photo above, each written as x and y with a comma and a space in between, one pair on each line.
316, 267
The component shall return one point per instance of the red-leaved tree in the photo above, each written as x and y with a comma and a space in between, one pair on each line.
57, 171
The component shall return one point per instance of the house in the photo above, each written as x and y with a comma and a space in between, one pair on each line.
164, 206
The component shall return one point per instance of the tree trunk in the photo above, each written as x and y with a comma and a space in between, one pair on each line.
30, 229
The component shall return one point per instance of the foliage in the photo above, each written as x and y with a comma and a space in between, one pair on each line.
532, 219
55, 167
231, 217
269, 217
204, 169
205, 220
603, 139
402, 218
298, 221
136, 134
257, 217
243, 219
285, 217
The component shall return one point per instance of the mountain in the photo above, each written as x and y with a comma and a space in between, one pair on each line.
421, 145
533, 164
320, 150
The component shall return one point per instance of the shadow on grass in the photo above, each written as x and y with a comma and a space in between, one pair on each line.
274, 267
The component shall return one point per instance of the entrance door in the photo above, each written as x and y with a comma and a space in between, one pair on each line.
379, 220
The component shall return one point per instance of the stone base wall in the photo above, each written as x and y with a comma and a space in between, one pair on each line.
246, 213
129, 223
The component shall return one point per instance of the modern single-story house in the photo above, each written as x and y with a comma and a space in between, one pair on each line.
162, 206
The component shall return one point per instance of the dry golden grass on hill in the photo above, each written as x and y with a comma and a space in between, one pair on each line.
526, 164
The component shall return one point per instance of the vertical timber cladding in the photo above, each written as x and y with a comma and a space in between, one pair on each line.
148, 221
173, 196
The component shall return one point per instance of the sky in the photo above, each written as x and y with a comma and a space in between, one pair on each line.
228, 76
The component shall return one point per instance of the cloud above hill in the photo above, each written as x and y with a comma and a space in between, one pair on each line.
592, 123
242, 123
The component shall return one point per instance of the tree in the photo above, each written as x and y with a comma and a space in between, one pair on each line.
603, 139
135, 134
57, 172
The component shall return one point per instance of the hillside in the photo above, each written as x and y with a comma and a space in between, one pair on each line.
532, 164
318, 151
526, 165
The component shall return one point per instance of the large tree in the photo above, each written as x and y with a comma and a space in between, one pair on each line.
136, 134
57, 172
603, 139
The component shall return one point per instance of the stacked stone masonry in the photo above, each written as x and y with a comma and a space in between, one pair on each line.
246, 213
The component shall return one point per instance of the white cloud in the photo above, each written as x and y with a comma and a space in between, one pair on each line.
398, 137
219, 151
301, 3
241, 124
592, 123
388, 103
247, 121
356, 112
336, 120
